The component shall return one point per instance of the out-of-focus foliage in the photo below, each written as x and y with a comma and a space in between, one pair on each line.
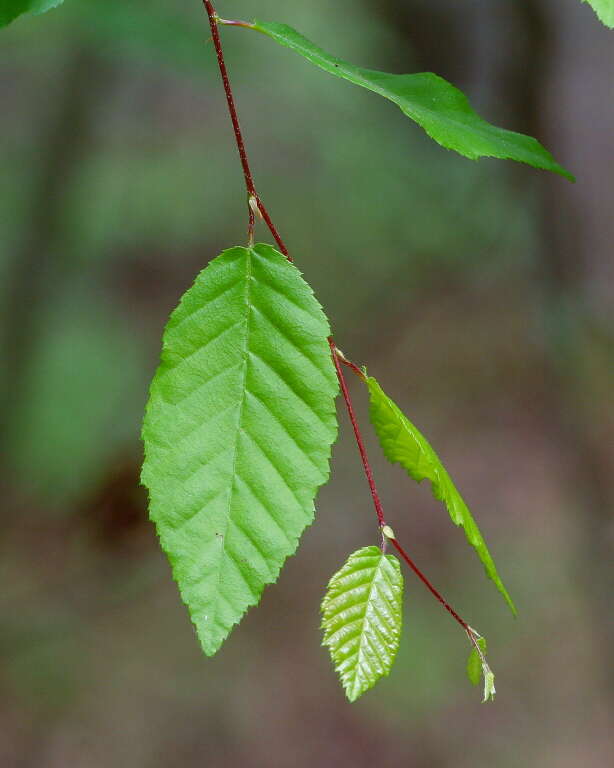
77, 406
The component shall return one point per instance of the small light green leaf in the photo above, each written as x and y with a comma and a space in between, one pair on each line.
474, 662
604, 10
11, 9
489, 685
437, 106
238, 432
362, 617
477, 667
404, 444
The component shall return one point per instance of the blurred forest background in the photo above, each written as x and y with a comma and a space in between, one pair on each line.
478, 293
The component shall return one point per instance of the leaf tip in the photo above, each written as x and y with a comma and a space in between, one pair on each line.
565, 173
511, 604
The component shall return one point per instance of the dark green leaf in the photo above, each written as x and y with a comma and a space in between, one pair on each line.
238, 431
404, 444
437, 106
362, 617
11, 9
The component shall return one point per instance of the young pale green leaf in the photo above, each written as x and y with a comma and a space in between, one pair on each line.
474, 662
477, 667
604, 10
437, 106
489, 685
238, 432
11, 9
361, 618
404, 444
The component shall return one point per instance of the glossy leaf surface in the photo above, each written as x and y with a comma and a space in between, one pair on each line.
362, 617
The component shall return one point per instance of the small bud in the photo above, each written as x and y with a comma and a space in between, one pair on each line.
388, 532
253, 204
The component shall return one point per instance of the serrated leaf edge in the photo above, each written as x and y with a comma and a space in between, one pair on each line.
293, 540
335, 591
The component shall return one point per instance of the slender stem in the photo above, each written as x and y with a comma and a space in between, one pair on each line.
273, 230
214, 19
352, 366
234, 23
338, 358
249, 181
429, 586
379, 511
337, 355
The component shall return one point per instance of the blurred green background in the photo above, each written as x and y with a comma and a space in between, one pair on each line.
478, 293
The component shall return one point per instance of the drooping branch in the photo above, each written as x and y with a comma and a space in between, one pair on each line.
255, 204
387, 532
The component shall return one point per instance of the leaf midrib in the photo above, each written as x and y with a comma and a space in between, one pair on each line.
362, 627
248, 305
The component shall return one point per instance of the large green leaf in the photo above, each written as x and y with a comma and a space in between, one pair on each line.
362, 617
11, 9
404, 444
437, 106
238, 432
604, 10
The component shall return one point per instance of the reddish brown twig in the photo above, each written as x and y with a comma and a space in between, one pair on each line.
232, 110
379, 511
337, 356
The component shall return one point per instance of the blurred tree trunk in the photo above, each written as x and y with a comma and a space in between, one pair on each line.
37, 268
437, 33
563, 270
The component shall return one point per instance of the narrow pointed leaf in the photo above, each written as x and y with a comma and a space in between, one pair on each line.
404, 444
604, 10
442, 110
238, 432
11, 9
362, 617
